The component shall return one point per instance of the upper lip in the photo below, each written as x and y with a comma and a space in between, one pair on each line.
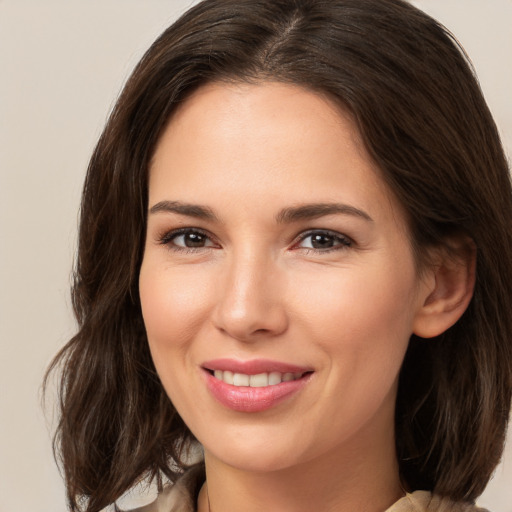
253, 366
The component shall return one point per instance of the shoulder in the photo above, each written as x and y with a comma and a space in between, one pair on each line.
180, 496
424, 501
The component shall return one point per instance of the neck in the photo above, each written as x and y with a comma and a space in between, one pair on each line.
363, 478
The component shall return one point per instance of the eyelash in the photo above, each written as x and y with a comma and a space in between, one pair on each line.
342, 241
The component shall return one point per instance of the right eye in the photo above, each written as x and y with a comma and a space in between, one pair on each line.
187, 239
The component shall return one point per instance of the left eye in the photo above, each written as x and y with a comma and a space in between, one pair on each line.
187, 239
323, 240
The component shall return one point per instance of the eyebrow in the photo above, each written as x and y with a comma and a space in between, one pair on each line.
316, 210
191, 210
285, 216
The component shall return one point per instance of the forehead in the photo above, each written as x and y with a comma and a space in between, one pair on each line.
265, 142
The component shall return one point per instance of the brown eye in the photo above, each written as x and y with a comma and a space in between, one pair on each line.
324, 240
187, 239
192, 239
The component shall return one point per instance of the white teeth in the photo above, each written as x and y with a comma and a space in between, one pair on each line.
274, 378
260, 380
240, 379
227, 377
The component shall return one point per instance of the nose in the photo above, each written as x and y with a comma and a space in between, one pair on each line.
250, 299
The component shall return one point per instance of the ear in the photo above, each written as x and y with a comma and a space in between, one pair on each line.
448, 289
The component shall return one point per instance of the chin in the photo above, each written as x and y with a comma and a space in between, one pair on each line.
255, 450
256, 460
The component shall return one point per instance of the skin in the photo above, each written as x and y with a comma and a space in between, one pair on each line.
258, 289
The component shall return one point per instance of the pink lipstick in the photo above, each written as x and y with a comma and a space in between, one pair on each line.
255, 385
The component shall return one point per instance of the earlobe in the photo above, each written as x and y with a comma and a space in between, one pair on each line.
445, 301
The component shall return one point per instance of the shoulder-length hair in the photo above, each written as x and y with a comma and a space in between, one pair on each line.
424, 122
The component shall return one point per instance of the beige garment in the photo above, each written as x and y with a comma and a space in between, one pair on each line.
182, 496
424, 501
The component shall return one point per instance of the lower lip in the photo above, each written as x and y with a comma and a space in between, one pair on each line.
247, 399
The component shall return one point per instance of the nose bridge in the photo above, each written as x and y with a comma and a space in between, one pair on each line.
251, 295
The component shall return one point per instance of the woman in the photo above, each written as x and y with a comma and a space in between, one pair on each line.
295, 250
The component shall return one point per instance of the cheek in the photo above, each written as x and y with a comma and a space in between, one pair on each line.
173, 307
362, 317
358, 297
361, 322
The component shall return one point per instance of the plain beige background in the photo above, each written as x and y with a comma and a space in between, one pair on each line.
62, 63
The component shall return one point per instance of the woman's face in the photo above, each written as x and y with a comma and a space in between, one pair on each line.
278, 285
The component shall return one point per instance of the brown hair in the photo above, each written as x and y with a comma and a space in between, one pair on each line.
425, 123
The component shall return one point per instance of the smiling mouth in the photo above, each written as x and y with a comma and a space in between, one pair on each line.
259, 380
247, 387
